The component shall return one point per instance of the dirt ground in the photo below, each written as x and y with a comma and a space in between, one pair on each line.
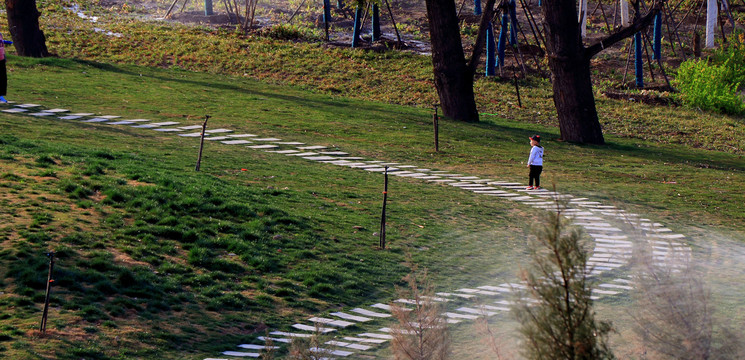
614, 64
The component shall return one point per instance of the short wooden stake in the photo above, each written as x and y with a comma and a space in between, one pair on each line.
436, 124
382, 217
43, 327
201, 142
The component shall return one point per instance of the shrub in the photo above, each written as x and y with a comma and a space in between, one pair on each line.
714, 84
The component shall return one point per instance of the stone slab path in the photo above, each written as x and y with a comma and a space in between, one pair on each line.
614, 233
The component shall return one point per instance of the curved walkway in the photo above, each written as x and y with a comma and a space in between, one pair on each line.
614, 232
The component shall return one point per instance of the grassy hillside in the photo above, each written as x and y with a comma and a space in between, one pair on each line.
158, 261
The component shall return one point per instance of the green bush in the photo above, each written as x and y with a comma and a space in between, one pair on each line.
714, 84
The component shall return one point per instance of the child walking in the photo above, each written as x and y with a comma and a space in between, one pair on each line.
535, 163
3, 71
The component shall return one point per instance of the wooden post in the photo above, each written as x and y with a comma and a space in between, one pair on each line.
43, 327
436, 124
382, 218
201, 142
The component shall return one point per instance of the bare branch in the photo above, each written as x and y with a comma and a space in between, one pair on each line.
623, 33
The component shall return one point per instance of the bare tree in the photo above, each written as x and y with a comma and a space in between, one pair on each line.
309, 348
23, 22
557, 317
421, 332
569, 62
673, 311
453, 74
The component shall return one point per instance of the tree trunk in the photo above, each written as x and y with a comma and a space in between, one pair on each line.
453, 78
23, 23
570, 69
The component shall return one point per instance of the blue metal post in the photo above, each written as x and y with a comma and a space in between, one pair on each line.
513, 24
340, 4
208, 8
357, 26
477, 7
639, 65
502, 44
326, 11
375, 22
490, 60
657, 36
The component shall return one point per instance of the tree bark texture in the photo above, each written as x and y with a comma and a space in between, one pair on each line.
23, 23
570, 74
453, 78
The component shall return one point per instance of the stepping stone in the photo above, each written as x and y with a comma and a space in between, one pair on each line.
297, 154
663, 236
523, 198
236, 142
71, 117
57, 110
82, 114
216, 138
409, 175
482, 180
380, 169
373, 313
123, 122
377, 336
111, 117
312, 147
282, 340
217, 131
461, 316
266, 139
407, 166
502, 195
464, 296
95, 120
496, 288
478, 188
352, 158
466, 178
443, 181
289, 143
171, 130
257, 347
242, 135
41, 114
350, 317
333, 153
364, 166
289, 334
319, 158
191, 135
490, 192
348, 345
332, 322
499, 308
191, 127
364, 340
285, 151
476, 312
27, 106
429, 177
435, 298
263, 147
148, 126
478, 291
448, 175
341, 353
616, 286
304, 327
241, 354
461, 184
405, 301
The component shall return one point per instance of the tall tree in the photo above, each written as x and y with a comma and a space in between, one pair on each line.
23, 22
453, 74
569, 62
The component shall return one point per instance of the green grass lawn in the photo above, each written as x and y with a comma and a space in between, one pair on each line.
156, 260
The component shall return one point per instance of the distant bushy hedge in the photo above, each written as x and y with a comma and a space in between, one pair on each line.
715, 84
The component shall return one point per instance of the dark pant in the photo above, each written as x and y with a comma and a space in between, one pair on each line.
3, 79
535, 174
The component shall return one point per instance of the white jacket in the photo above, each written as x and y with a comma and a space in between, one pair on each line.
536, 156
